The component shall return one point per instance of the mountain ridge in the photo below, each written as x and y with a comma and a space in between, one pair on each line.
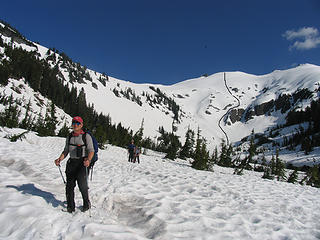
193, 103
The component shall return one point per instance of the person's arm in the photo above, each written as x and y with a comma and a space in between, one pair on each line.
87, 160
90, 149
58, 160
63, 154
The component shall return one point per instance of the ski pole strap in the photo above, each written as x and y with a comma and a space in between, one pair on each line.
61, 174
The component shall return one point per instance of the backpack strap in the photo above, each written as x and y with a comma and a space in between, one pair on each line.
83, 139
69, 137
95, 156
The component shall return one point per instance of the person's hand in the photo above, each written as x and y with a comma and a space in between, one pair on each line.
86, 162
57, 162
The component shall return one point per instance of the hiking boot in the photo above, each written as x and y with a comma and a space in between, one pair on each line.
86, 207
70, 210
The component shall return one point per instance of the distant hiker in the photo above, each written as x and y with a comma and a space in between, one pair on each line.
77, 168
131, 148
137, 152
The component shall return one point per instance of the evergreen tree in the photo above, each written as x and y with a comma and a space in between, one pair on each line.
306, 145
64, 131
201, 155
174, 126
215, 155
279, 168
273, 165
205, 156
263, 160
50, 120
27, 121
148, 143
267, 173
213, 160
4, 74
82, 109
187, 149
168, 143
312, 177
226, 152
197, 153
139, 134
244, 164
252, 151
40, 126
10, 116
293, 178
101, 135
163, 140
174, 146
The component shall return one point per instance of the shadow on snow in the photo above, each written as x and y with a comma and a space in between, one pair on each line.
30, 189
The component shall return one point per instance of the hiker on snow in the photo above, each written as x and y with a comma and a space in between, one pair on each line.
131, 148
137, 152
77, 168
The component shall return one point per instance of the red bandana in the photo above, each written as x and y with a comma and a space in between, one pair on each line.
77, 134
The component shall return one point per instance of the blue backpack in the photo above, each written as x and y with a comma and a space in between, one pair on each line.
95, 146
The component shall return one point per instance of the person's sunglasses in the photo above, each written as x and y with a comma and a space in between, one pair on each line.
76, 123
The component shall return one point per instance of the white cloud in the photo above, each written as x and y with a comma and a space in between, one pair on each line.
307, 38
305, 32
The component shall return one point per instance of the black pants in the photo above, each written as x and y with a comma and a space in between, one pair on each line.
76, 172
136, 158
131, 157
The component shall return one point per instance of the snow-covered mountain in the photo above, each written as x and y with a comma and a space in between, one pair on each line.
224, 105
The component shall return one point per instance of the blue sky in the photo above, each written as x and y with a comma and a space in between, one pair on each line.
169, 41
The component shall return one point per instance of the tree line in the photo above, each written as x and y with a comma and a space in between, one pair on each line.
307, 138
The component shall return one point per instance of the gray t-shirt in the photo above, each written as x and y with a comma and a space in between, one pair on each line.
77, 140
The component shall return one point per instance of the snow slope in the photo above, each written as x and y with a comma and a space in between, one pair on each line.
157, 199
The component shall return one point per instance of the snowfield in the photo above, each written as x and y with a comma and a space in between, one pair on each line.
157, 199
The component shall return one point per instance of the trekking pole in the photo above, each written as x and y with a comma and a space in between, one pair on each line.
91, 173
61, 175
87, 177
88, 191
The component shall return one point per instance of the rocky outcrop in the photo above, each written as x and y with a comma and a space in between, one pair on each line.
283, 103
263, 108
236, 114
